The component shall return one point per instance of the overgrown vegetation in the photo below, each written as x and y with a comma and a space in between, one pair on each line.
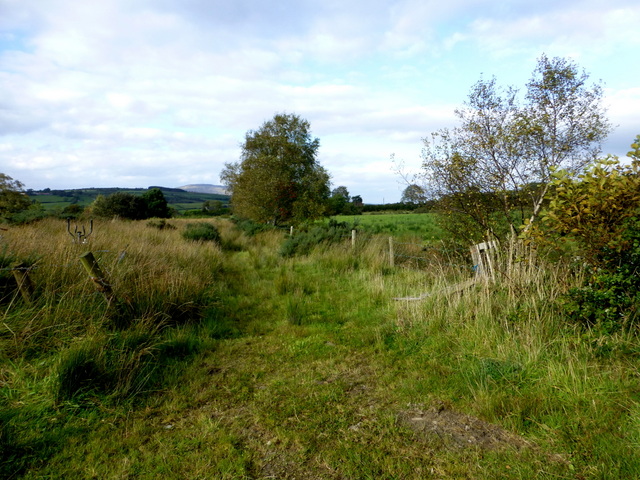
596, 218
307, 238
202, 232
246, 364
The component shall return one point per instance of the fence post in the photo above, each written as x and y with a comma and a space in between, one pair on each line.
392, 261
291, 231
95, 274
353, 238
21, 274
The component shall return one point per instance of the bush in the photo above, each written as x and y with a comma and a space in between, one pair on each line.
250, 227
201, 231
598, 216
610, 299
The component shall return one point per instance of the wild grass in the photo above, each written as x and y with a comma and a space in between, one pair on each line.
421, 227
236, 362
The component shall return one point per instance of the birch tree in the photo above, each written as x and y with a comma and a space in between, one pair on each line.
492, 172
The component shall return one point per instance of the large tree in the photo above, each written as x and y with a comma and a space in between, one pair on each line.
278, 178
493, 170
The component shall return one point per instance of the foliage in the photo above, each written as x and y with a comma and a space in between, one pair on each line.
278, 178
12, 197
132, 207
414, 194
599, 213
250, 227
341, 202
495, 168
201, 232
121, 205
215, 208
156, 204
304, 240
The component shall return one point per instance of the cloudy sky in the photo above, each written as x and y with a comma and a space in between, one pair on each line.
133, 93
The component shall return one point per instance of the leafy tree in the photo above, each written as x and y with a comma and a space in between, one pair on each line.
414, 194
120, 204
156, 204
341, 191
151, 203
278, 178
492, 171
338, 201
12, 196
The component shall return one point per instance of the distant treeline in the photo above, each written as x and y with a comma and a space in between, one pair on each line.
400, 206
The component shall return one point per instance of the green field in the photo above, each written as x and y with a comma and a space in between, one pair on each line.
179, 200
422, 226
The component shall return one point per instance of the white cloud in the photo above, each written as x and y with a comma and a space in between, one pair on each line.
162, 91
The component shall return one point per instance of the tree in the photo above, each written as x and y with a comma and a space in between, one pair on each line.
278, 178
341, 191
339, 200
494, 169
120, 204
12, 196
156, 204
414, 194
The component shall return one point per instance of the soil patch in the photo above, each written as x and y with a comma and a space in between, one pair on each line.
460, 430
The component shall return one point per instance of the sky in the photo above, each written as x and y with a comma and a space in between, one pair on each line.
134, 93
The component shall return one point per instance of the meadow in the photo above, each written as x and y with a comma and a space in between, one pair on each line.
228, 360
421, 226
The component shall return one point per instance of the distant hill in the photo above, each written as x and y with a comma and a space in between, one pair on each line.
206, 188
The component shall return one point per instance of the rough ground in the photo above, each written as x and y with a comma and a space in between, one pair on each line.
460, 430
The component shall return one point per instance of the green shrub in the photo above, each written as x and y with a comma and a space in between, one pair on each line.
302, 242
598, 215
250, 227
201, 232
610, 299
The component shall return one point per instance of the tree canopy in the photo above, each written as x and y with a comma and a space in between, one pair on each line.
278, 178
152, 203
493, 170
12, 197
414, 194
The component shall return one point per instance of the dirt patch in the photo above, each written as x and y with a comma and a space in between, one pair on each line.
460, 430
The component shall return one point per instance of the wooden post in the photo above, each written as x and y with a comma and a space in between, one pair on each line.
392, 260
97, 277
21, 274
291, 231
353, 239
